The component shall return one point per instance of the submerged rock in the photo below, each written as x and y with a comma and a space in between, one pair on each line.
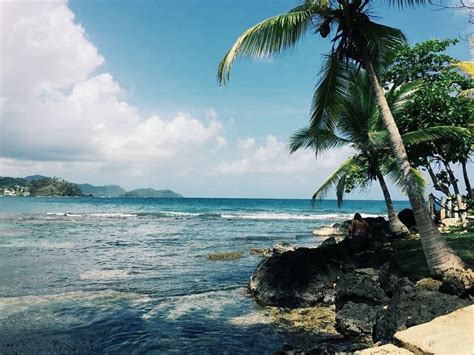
225, 256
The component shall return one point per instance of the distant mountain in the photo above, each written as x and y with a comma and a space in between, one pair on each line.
152, 193
35, 177
39, 185
101, 191
44, 186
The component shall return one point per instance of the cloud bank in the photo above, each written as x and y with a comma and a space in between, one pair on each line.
60, 115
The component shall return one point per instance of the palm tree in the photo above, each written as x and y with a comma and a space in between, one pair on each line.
357, 40
359, 125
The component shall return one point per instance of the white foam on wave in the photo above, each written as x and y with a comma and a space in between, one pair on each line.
103, 274
211, 304
97, 215
101, 299
289, 216
180, 214
113, 215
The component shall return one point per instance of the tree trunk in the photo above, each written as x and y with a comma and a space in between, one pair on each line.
396, 227
438, 185
439, 255
452, 178
466, 179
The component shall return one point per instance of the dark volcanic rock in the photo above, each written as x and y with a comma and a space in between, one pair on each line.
389, 274
356, 320
407, 217
300, 278
411, 306
360, 286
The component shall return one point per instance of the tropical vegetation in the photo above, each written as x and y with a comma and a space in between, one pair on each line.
360, 126
357, 42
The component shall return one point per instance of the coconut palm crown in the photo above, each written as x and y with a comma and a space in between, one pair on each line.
360, 127
359, 41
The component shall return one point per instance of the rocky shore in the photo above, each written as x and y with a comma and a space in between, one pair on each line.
363, 282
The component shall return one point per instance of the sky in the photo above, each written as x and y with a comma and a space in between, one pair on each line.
125, 92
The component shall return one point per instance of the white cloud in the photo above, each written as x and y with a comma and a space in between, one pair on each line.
245, 144
60, 115
273, 157
53, 106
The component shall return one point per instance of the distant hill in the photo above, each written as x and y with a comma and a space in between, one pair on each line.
152, 193
43, 186
35, 177
39, 185
101, 191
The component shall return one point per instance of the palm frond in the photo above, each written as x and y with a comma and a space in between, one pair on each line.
436, 133
318, 140
399, 96
329, 93
379, 41
466, 67
392, 170
334, 179
269, 37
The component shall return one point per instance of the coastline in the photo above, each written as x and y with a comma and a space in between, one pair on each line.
366, 306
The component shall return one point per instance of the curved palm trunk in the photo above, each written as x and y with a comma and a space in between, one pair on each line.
439, 255
466, 179
395, 225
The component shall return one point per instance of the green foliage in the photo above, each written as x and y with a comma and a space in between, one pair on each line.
437, 102
422, 61
10, 182
53, 187
42, 186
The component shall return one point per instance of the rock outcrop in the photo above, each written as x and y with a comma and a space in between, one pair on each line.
356, 321
410, 306
407, 217
301, 278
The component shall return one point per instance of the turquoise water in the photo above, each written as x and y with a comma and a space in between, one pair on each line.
122, 275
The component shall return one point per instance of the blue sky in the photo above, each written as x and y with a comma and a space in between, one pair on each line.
125, 92
166, 54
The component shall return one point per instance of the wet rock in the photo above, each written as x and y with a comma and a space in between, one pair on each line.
356, 320
329, 241
407, 217
301, 278
282, 248
458, 282
360, 286
411, 306
264, 252
314, 321
225, 256
334, 230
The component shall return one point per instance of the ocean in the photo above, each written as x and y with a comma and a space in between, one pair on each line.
131, 275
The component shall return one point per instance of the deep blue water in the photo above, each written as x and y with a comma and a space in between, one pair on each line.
127, 275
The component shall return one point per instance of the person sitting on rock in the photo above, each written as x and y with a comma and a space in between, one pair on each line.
359, 227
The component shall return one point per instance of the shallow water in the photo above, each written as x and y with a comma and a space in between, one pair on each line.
123, 275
